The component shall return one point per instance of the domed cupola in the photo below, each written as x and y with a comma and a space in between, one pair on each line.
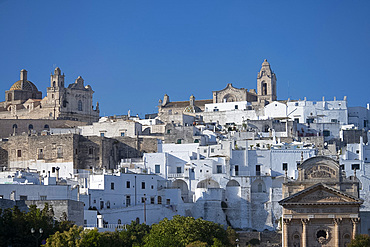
23, 84
22, 90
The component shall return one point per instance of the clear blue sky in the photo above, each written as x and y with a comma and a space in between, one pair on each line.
133, 52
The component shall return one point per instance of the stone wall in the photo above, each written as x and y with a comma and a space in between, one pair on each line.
74, 210
39, 125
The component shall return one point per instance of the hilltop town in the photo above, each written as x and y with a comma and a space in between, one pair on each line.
243, 158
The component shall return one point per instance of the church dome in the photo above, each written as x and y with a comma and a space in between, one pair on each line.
24, 85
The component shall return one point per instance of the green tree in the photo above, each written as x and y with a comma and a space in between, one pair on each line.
134, 234
361, 240
15, 225
185, 231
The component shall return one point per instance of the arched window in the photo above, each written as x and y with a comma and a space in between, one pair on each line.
15, 126
159, 200
119, 222
108, 204
46, 126
264, 88
80, 105
259, 187
53, 83
30, 127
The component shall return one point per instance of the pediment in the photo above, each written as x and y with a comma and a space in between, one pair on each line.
320, 194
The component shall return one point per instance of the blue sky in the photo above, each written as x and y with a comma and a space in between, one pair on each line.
133, 52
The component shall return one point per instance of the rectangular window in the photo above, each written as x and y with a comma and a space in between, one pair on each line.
212, 150
157, 169
258, 170
53, 169
178, 169
143, 199
59, 152
168, 201
219, 169
128, 201
326, 133
91, 150
151, 200
236, 106
102, 134
205, 151
19, 153
342, 167
296, 120
112, 186
168, 131
23, 198
236, 170
309, 120
40, 154
43, 198
127, 184
355, 166
101, 204
122, 133
143, 185
285, 166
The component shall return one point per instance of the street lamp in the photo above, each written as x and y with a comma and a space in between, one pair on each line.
37, 236
237, 242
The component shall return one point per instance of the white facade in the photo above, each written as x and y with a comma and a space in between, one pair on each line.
243, 179
38, 192
359, 116
112, 128
228, 106
304, 111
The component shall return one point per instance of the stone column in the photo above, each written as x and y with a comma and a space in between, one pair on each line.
304, 232
286, 223
337, 222
354, 230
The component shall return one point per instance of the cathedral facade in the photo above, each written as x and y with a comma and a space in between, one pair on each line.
24, 101
321, 207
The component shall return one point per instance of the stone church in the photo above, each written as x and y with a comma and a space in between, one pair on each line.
321, 207
177, 111
24, 101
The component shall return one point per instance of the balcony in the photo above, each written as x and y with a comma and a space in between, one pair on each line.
176, 175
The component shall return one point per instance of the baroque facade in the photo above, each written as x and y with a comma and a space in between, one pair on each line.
321, 207
24, 101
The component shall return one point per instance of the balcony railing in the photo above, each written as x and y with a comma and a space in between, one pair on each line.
176, 175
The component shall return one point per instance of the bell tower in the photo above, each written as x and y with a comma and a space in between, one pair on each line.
266, 83
56, 93
57, 79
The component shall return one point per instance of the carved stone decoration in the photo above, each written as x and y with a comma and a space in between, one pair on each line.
325, 203
323, 235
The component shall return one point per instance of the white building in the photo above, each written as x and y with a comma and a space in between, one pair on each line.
112, 127
120, 198
228, 185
